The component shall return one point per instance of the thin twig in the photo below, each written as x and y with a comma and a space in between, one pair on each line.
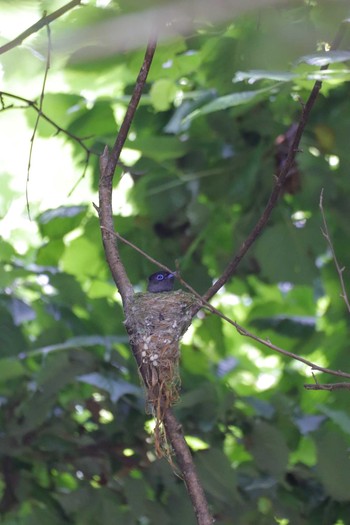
32, 104
340, 269
44, 21
41, 101
76, 184
328, 386
137, 249
88, 151
79, 140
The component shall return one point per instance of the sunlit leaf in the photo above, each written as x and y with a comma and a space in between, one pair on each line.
229, 101
322, 59
115, 387
254, 75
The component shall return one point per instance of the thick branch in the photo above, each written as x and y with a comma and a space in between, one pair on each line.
108, 163
124, 129
188, 470
45, 20
10, 476
107, 227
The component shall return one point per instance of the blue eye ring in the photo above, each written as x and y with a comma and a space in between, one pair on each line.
160, 277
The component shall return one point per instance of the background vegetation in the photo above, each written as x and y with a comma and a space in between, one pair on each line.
75, 442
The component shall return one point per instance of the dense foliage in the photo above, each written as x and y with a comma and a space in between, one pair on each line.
75, 441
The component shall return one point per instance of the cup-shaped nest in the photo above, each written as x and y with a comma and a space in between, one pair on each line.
157, 322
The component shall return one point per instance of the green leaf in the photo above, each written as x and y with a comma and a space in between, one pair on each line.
269, 449
116, 388
11, 368
82, 257
96, 121
229, 101
259, 74
341, 74
160, 148
217, 476
44, 516
59, 370
68, 290
292, 326
12, 341
50, 254
339, 417
61, 108
58, 222
333, 465
6, 251
162, 94
79, 342
295, 252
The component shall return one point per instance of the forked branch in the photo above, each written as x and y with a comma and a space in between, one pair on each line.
108, 162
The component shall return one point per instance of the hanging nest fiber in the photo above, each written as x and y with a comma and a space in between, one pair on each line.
157, 322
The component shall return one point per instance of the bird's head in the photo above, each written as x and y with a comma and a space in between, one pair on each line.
161, 282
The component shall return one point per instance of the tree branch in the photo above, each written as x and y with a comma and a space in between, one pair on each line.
340, 270
33, 104
239, 328
130, 113
45, 20
280, 180
195, 490
108, 164
329, 386
41, 101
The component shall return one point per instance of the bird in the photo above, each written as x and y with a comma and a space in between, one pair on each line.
160, 282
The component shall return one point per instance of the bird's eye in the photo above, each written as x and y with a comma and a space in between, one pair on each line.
160, 277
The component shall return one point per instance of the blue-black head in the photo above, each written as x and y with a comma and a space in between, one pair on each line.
161, 282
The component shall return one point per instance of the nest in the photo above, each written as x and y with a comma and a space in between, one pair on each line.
157, 322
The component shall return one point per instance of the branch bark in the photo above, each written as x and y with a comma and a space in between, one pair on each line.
194, 487
108, 162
